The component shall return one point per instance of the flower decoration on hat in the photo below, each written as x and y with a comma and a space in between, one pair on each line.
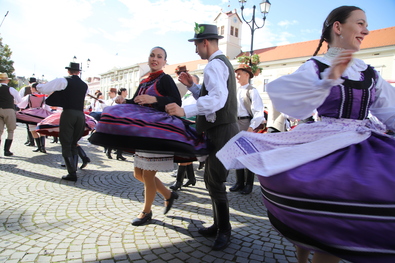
198, 29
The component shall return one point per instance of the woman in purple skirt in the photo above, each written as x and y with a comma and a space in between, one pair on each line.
142, 126
34, 110
328, 186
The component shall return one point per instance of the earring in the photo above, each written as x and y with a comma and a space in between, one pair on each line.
341, 36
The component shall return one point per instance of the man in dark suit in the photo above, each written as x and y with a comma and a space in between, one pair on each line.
216, 110
68, 93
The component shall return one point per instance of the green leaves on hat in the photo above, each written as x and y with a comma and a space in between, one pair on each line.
198, 29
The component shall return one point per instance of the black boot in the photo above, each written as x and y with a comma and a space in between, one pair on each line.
108, 153
54, 139
224, 228
201, 165
119, 155
180, 178
7, 146
249, 183
71, 168
212, 230
85, 159
42, 141
191, 176
30, 139
239, 181
38, 142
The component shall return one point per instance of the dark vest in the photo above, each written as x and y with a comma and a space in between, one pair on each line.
72, 97
6, 99
228, 114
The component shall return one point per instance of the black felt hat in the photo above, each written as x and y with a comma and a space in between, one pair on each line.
74, 66
205, 31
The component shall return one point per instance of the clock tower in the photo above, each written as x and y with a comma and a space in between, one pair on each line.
229, 26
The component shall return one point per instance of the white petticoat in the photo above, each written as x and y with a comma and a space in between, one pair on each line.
273, 153
154, 161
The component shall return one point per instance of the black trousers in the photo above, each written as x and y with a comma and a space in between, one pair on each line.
215, 174
71, 129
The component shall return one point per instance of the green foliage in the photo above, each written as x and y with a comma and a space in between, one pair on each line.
253, 61
6, 64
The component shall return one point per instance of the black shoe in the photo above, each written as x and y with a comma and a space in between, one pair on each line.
70, 177
211, 231
190, 182
119, 155
139, 221
246, 190
108, 153
176, 186
121, 158
221, 241
236, 187
201, 165
170, 202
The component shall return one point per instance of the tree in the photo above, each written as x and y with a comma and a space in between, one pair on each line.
6, 64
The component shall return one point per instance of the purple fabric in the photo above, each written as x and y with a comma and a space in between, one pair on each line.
362, 173
134, 120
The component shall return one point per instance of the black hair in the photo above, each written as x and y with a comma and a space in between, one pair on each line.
162, 49
340, 14
120, 91
98, 94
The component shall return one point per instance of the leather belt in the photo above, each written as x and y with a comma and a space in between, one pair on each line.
244, 117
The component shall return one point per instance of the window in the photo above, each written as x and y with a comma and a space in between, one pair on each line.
222, 30
265, 81
231, 30
236, 32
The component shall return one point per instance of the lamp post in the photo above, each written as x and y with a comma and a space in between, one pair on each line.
265, 7
88, 61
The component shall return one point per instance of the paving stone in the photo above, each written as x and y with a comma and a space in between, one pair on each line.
46, 219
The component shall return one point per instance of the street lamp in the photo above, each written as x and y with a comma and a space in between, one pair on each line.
265, 7
87, 64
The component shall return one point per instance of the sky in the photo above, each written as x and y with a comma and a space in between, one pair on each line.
45, 35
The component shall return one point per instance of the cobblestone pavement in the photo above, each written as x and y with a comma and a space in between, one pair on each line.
46, 219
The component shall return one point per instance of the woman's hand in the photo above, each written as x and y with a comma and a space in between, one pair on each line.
145, 99
340, 64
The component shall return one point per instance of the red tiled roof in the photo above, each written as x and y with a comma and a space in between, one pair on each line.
376, 38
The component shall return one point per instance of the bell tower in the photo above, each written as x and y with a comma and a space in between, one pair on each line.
229, 26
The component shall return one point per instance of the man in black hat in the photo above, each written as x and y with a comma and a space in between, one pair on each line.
68, 93
216, 110
24, 92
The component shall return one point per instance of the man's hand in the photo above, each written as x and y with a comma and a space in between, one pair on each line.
186, 79
175, 110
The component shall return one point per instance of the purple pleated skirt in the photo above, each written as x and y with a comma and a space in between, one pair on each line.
343, 203
132, 127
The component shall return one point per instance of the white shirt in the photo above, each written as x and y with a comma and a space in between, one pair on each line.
300, 93
256, 105
215, 75
54, 85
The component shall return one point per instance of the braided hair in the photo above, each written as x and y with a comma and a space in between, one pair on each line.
340, 14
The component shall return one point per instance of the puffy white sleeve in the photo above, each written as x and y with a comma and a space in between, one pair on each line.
383, 106
300, 93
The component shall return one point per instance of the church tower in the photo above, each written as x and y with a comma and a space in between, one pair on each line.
229, 26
